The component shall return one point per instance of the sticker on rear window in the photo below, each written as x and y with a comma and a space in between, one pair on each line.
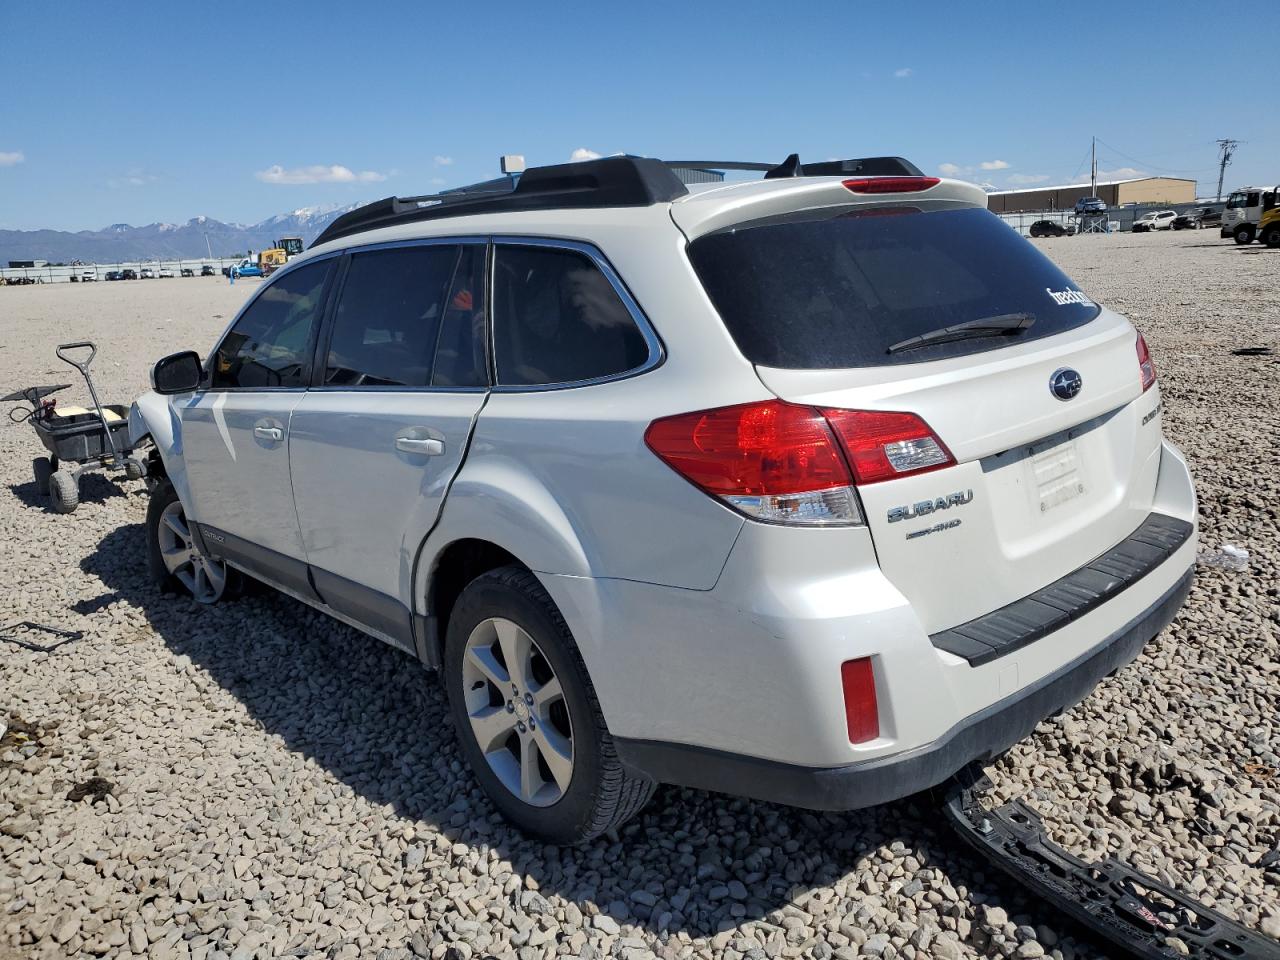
1064, 297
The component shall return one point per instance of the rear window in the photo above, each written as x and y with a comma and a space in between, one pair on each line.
838, 287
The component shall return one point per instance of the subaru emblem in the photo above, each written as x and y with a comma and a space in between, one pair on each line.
1065, 383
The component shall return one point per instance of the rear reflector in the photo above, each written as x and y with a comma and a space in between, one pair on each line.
773, 461
882, 446
1145, 364
891, 184
862, 713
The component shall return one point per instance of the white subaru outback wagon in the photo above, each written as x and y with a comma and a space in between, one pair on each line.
812, 488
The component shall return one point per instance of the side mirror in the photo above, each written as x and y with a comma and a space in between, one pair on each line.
177, 373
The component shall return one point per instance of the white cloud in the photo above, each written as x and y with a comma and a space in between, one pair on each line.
437, 181
1025, 178
134, 177
994, 165
443, 161
318, 173
1121, 173
11, 159
903, 72
950, 170
582, 153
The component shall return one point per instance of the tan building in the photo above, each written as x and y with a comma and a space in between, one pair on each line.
1114, 193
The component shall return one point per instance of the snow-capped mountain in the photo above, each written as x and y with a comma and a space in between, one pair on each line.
198, 237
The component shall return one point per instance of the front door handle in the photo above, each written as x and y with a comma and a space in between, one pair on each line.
425, 446
268, 433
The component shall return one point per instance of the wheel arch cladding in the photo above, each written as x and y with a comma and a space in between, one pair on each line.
451, 570
152, 415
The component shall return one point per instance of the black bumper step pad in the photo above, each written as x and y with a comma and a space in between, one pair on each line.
1027, 620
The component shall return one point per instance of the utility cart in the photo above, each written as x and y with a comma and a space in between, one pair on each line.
77, 439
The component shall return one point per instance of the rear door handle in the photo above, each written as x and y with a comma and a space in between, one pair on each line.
268, 433
425, 446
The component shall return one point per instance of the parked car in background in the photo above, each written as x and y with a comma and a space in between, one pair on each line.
1155, 220
1090, 205
114, 275
207, 271
88, 276
165, 273
594, 454
129, 274
1194, 219
188, 272
147, 274
1050, 228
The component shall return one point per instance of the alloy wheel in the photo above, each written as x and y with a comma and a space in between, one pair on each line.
206, 579
518, 712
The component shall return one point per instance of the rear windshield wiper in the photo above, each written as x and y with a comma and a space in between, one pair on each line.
1007, 324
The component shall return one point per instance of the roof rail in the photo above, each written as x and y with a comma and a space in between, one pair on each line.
606, 182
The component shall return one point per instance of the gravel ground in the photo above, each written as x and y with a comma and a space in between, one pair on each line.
271, 783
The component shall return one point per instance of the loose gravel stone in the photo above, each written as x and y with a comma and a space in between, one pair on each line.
281, 786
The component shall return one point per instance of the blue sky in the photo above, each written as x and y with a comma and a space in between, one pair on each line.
134, 114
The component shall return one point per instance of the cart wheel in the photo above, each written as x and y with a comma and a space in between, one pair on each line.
64, 491
43, 469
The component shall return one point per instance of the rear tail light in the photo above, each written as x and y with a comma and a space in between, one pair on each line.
861, 711
882, 446
1145, 364
774, 461
891, 184
786, 463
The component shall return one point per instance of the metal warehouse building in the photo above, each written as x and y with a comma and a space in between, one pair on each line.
1114, 193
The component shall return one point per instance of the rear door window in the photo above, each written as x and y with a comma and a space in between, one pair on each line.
557, 319
838, 287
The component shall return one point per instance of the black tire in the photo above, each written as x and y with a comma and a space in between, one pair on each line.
161, 497
42, 467
601, 793
1271, 237
1244, 236
64, 491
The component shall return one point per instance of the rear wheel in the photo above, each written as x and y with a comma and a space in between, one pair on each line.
176, 563
42, 467
527, 716
1271, 237
1244, 236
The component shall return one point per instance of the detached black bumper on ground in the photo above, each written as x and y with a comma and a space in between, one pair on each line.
1135, 913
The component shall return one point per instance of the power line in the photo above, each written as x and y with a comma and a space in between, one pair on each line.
1225, 149
1154, 166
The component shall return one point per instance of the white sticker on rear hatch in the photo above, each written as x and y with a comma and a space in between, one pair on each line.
1055, 475
1064, 297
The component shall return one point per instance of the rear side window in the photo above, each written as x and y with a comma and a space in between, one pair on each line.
558, 319
389, 317
271, 342
838, 287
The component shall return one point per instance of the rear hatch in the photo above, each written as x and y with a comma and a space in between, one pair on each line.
1053, 442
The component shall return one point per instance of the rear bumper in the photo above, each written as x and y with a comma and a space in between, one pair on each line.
986, 734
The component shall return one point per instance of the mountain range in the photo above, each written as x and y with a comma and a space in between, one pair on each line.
196, 238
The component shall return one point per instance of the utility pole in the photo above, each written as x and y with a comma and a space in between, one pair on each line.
1225, 149
1093, 169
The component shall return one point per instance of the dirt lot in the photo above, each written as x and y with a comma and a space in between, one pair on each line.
272, 783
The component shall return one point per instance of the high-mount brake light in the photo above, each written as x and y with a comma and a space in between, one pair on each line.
1145, 364
774, 461
882, 445
891, 184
